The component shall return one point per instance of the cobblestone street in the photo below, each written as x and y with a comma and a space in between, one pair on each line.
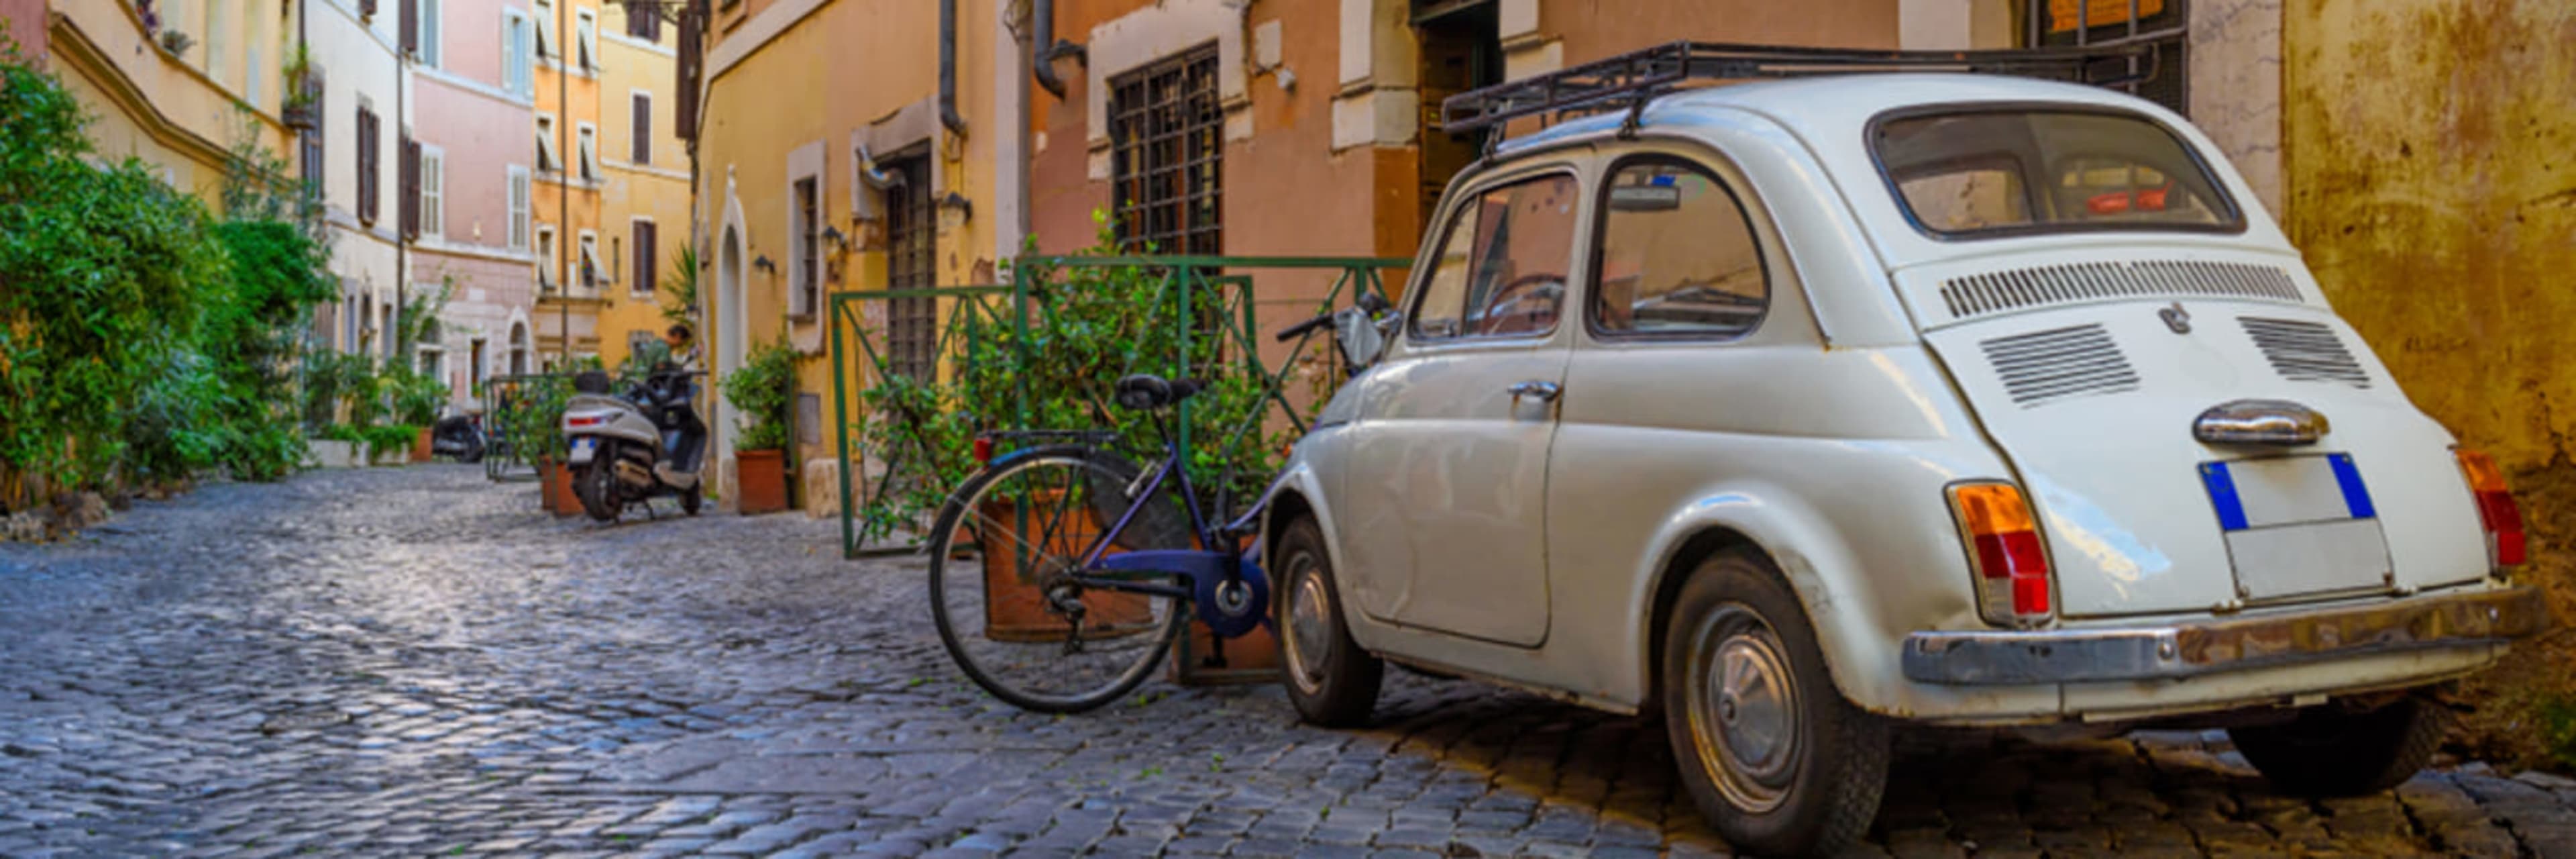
417, 662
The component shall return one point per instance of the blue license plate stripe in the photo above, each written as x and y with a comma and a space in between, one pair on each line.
2222, 496
2356, 497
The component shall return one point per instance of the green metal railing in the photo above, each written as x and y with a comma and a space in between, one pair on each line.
1198, 297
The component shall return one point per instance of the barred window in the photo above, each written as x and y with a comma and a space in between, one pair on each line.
912, 324
1166, 130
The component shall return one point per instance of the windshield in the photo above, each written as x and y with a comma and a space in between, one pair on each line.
1979, 172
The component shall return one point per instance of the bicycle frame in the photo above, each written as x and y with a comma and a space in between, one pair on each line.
1218, 577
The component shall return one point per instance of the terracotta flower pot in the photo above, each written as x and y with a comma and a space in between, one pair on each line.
1015, 606
559, 497
420, 446
760, 481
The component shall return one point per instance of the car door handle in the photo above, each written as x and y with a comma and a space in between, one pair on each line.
1544, 391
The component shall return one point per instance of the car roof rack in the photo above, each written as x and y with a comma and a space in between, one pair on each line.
1629, 81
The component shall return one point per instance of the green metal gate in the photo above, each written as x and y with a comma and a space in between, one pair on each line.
1207, 306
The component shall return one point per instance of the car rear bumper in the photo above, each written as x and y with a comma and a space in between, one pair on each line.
2231, 644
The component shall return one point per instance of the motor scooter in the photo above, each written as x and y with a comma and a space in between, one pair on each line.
458, 434
628, 449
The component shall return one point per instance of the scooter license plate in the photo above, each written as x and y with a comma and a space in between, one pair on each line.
582, 448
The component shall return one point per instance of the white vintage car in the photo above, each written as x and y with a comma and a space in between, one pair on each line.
1789, 411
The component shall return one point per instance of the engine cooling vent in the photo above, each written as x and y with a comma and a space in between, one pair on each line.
2305, 351
1995, 292
2044, 366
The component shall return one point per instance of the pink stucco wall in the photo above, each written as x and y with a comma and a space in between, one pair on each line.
23, 21
481, 132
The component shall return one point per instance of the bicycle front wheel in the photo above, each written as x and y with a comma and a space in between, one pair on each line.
1002, 560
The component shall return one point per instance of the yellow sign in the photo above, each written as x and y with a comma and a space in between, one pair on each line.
2062, 18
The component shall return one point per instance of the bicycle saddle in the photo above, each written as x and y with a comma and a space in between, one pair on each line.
1144, 392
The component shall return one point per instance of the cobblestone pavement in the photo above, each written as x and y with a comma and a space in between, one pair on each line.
416, 662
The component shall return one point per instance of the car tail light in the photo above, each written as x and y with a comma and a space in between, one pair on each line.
2496, 508
2004, 550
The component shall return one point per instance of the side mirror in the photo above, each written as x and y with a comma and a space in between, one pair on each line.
1362, 336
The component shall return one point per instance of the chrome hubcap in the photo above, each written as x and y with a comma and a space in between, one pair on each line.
1310, 609
1744, 708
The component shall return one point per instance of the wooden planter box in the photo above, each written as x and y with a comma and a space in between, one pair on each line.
420, 446
1014, 605
1252, 658
760, 481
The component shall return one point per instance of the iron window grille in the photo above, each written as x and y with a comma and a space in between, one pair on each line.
2159, 26
912, 322
1166, 131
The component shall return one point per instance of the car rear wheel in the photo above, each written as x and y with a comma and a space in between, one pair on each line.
1776, 759
1331, 680
2331, 751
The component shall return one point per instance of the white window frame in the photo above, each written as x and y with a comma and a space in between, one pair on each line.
586, 139
251, 76
522, 192
518, 54
649, 144
585, 31
546, 152
433, 191
548, 47
638, 279
545, 252
432, 31
588, 246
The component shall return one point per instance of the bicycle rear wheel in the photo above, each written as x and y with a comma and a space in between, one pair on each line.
1001, 557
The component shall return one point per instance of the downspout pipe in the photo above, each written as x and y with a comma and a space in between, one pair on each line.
1044, 48
948, 115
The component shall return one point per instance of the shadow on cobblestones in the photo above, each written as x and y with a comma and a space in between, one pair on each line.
416, 662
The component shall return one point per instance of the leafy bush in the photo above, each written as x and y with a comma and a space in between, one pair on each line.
761, 389
391, 436
1088, 326
141, 339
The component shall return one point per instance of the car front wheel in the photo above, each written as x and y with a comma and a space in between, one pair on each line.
1776, 759
1331, 680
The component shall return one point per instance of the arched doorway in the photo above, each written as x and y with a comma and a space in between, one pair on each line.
731, 332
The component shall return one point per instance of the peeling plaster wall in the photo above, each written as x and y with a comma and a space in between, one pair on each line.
2432, 188
2235, 56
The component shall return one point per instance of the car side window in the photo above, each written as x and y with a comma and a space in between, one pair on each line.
1503, 264
1678, 257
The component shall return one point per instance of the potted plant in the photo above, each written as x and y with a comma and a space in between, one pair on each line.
1088, 326
299, 109
416, 397
536, 430
761, 389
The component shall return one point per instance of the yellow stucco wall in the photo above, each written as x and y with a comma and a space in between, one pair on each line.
658, 191
165, 110
830, 70
2430, 185
563, 200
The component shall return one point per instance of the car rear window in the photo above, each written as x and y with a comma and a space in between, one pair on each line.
1989, 172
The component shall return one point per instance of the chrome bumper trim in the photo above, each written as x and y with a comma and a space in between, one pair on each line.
2233, 644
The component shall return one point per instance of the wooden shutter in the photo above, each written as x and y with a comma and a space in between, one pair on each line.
407, 204
410, 27
367, 162
643, 128
646, 251
685, 111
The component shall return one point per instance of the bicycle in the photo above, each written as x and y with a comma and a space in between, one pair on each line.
1083, 559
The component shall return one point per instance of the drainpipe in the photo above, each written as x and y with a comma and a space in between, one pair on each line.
948, 115
1044, 47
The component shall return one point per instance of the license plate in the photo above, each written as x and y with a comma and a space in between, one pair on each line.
2298, 525
581, 449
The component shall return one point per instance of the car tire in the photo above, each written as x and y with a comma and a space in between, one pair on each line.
2329, 751
1777, 760
1331, 680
